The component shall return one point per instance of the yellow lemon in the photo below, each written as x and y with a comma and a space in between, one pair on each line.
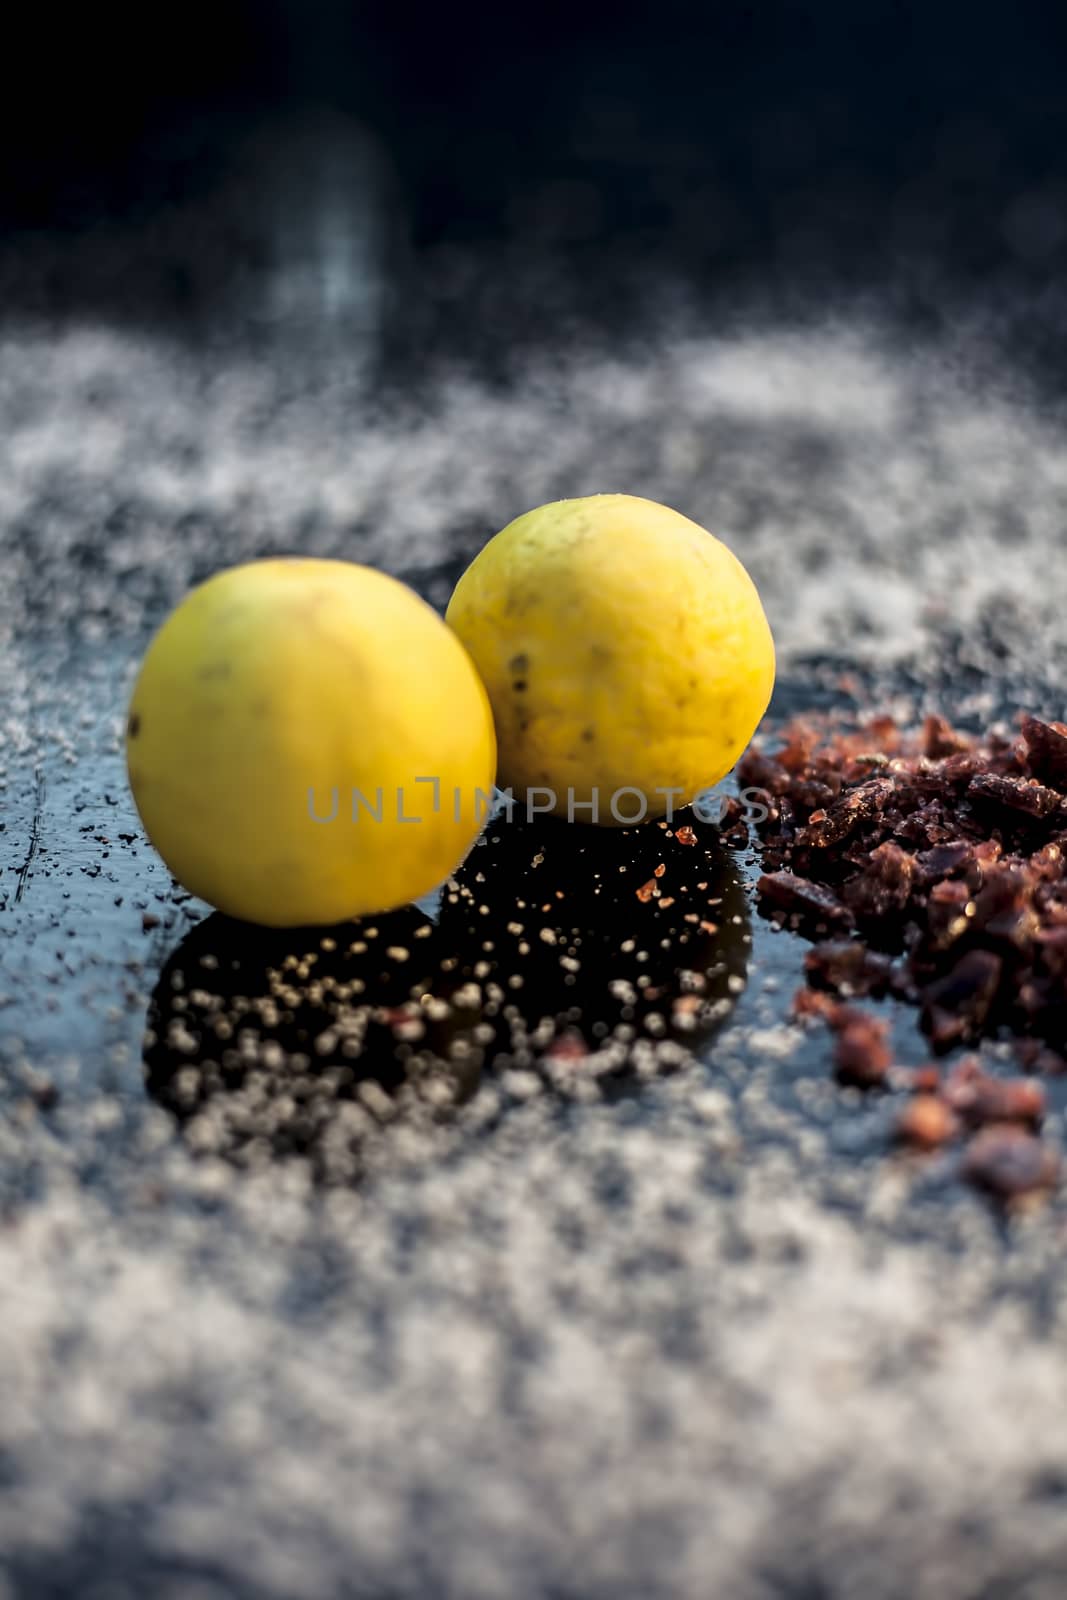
307, 741
626, 655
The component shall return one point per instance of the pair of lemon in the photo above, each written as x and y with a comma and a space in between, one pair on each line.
308, 741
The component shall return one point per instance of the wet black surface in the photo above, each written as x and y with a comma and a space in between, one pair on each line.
541, 952
92, 916
539, 957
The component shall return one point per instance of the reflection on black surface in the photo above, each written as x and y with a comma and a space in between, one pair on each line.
268, 1042
583, 955
590, 948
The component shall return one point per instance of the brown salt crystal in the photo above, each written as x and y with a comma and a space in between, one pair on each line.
979, 1098
929, 824
1046, 750
756, 770
567, 1047
846, 965
1052, 945
1003, 909
927, 1122
956, 1006
1040, 1001
803, 898
941, 739
1033, 1056
813, 1003
732, 824
946, 914
1023, 795
960, 768
943, 860
813, 794
1047, 863
850, 811
1018, 1100
922, 1080
906, 851
801, 742
884, 884
1050, 898
883, 733
786, 817
686, 835
1009, 1163
861, 1050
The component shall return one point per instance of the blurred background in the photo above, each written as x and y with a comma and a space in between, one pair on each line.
458, 176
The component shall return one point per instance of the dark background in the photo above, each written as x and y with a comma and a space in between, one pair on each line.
780, 147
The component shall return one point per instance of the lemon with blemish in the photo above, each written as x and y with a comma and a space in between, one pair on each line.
307, 742
626, 654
